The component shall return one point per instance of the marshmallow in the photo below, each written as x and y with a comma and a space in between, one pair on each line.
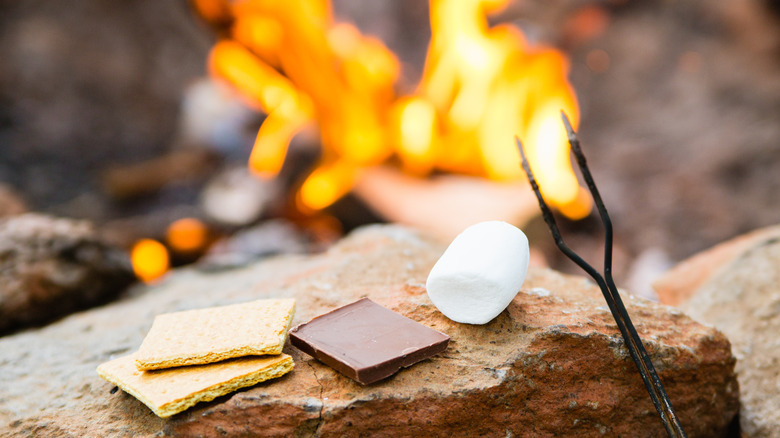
480, 272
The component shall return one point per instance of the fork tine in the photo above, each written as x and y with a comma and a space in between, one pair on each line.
606, 283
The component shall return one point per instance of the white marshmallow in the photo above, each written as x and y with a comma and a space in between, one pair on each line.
480, 272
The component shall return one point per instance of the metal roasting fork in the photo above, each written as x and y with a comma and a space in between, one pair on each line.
607, 285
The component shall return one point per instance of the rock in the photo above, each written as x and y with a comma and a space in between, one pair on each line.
553, 363
51, 267
681, 282
11, 204
737, 289
270, 237
236, 197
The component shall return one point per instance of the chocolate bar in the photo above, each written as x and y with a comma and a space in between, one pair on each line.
367, 342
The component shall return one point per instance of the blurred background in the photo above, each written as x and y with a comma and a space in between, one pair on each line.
127, 114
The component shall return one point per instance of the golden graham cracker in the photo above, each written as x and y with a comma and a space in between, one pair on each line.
170, 391
202, 336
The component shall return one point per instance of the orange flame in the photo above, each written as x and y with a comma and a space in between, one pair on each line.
481, 86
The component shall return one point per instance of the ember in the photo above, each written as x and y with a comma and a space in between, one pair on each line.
150, 259
187, 235
481, 86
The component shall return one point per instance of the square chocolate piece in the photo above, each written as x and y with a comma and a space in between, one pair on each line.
367, 342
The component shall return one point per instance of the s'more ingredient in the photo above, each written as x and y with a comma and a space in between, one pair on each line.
213, 334
170, 391
480, 272
367, 342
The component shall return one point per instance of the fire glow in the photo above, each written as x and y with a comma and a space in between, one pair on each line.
481, 86
152, 259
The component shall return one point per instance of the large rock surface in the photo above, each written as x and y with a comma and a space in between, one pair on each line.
552, 364
738, 291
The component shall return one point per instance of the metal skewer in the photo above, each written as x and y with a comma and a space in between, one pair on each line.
607, 285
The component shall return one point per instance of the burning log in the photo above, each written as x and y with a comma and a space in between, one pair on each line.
133, 180
443, 205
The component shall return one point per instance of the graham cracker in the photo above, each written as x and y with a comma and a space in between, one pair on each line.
168, 392
196, 337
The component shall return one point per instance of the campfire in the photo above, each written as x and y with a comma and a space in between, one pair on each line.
481, 86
